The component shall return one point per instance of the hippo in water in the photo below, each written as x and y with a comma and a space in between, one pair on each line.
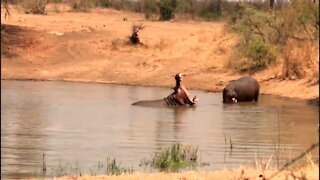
180, 96
241, 90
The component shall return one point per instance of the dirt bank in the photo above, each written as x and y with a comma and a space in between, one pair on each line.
92, 47
311, 173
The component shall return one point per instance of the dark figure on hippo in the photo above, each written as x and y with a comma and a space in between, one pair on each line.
180, 96
241, 90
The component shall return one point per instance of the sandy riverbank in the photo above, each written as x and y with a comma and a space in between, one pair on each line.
309, 172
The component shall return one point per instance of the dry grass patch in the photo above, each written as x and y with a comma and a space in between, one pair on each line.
301, 59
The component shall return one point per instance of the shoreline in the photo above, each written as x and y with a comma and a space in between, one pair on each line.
241, 173
126, 84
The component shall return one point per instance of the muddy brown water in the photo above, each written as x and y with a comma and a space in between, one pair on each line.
84, 123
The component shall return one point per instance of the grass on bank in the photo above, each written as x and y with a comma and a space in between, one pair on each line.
179, 157
174, 158
169, 159
108, 167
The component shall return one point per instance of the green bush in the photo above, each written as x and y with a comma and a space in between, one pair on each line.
253, 56
167, 9
209, 15
185, 6
104, 3
211, 10
236, 12
298, 19
126, 5
82, 5
150, 8
174, 158
34, 6
260, 55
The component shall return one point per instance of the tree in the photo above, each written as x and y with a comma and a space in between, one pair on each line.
271, 4
167, 9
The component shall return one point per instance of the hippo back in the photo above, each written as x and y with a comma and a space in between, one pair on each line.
246, 88
168, 101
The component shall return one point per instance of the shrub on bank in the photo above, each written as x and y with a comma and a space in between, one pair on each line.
211, 10
104, 3
167, 9
82, 5
260, 54
252, 57
150, 8
33, 6
265, 34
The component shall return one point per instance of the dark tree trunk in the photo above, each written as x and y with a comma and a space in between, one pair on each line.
219, 6
271, 4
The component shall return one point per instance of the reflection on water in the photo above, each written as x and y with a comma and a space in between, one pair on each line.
85, 123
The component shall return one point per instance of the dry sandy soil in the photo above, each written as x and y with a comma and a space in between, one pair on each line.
238, 174
93, 47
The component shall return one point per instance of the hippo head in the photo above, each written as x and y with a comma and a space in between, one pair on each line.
179, 76
229, 95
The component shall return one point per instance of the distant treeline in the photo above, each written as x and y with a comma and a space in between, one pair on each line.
168, 9
153, 9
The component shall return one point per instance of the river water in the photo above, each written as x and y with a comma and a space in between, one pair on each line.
84, 123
